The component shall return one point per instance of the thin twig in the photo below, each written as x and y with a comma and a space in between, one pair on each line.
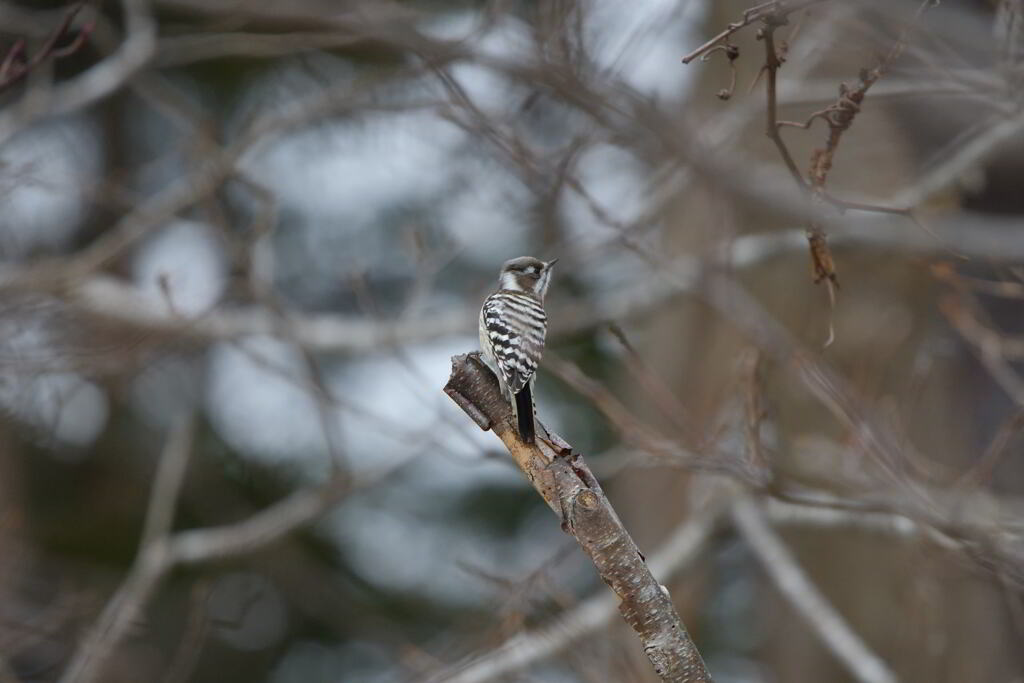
96, 82
841, 115
16, 66
863, 664
993, 349
771, 70
838, 116
678, 552
997, 451
756, 13
113, 623
163, 551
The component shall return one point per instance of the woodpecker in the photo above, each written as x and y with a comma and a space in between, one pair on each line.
512, 330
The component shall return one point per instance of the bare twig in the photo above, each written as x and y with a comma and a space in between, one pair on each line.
754, 14
989, 139
838, 116
162, 551
112, 625
997, 451
772, 62
677, 553
863, 664
97, 82
190, 646
16, 66
994, 350
113, 300
258, 531
571, 490
784, 513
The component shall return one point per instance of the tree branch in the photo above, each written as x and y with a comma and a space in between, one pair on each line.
150, 565
756, 13
863, 664
16, 64
567, 485
161, 551
99, 81
678, 552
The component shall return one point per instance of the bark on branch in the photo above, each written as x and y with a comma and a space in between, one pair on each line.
565, 482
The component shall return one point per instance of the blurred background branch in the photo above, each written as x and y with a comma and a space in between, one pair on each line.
275, 222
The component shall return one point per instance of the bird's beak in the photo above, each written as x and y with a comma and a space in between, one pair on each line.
551, 262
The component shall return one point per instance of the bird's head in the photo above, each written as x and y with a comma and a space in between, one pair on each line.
526, 274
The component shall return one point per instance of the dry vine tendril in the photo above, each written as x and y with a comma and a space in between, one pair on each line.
838, 116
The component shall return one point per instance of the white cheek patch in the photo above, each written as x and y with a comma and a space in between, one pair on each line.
509, 281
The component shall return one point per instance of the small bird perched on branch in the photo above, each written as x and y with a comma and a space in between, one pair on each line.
512, 330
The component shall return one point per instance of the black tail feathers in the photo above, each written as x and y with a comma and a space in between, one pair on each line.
524, 414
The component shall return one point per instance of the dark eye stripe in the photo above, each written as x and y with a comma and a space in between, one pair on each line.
532, 270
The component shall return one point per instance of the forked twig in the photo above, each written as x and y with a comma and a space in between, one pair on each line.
751, 15
16, 65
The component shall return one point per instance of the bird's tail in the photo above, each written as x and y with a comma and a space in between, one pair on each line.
523, 406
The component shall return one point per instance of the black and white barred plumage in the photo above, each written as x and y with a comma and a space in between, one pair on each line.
512, 330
